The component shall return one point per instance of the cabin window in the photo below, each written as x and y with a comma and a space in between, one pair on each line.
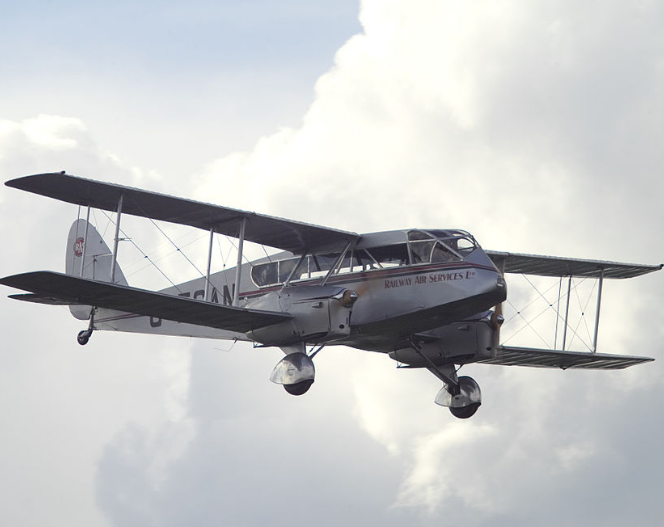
286, 268
319, 265
265, 274
313, 266
273, 273
390, 255
356, 261
421, 245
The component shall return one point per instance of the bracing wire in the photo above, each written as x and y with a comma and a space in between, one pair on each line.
153, 262
145, 256
177, 248
540, 295
583, 318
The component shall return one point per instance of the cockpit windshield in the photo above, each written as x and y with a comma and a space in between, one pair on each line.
461, 241
439, 246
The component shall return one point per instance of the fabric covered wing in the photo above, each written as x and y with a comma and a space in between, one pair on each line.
71, 289
283, 234
554, 266
539, 358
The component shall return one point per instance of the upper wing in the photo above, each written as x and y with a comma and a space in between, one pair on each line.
284, 234
71, 289
509, 356
554, 266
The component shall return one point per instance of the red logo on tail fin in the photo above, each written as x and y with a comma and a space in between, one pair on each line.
78, 247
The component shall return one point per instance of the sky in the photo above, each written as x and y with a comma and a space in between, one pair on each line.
537, 126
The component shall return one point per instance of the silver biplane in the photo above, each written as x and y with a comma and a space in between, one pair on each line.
428, 298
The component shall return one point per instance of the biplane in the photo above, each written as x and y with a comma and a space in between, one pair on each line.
427, 298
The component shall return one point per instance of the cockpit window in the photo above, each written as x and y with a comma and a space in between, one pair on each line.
460, 242
440, 246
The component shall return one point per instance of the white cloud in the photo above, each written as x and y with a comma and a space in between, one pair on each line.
518, 122
433, 482
51, 131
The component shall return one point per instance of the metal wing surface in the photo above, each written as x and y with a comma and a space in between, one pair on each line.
71, 289
283, 234
539, 358
554, 266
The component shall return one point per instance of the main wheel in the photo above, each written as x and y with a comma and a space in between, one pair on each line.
299, 388
465, 411
83, 337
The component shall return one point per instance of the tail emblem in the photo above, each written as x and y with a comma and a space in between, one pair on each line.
78, 247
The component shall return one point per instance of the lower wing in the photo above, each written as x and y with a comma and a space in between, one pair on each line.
539, 358
66, 289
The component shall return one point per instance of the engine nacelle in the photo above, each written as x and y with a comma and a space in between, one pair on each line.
320, 314
456, 343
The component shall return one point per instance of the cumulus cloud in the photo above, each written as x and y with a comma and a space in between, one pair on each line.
64, 403
518, 122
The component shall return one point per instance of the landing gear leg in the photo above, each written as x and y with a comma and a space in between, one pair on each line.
462, 395
83, 337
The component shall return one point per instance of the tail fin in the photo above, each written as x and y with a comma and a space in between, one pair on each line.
88, 256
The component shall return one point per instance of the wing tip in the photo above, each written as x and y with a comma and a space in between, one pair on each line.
17, 182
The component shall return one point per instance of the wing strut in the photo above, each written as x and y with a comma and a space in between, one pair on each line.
209, 265
238, 269
117, 239
336, 264
569, 294
85, 241
599, 304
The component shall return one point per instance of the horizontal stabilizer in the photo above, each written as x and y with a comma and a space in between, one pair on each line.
260, 228
75, 290
555, 266
539, 358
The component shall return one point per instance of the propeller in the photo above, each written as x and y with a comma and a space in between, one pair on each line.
497, 319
